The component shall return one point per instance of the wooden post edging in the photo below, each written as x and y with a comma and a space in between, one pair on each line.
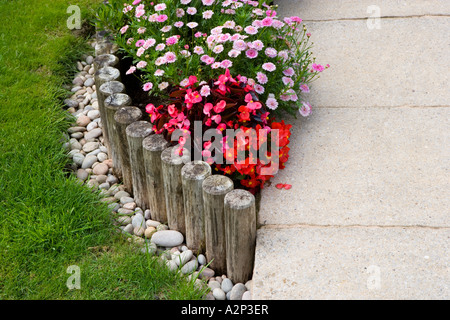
215, 188
105, 90
105, 74
171, 170
104, 46
193, 174
112, 104
153, 146
240, 234
123, 117
136, 132
105, 60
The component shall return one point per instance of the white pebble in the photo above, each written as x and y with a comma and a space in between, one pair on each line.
219, 294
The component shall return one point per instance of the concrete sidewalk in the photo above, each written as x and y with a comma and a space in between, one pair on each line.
367, 216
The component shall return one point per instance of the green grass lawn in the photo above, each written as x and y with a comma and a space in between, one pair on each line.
48, 221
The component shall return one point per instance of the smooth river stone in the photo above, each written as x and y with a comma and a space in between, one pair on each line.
90, 146
94, 133
88, 161
237, 291
138, 221
167, 238
100, 169
83, 121
78, 159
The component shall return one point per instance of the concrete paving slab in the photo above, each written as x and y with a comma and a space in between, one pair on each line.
351, 9
365, 166
406, 62
351, 263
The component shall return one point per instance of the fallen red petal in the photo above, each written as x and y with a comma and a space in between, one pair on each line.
280, 186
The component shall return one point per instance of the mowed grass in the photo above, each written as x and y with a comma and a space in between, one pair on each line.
48, 221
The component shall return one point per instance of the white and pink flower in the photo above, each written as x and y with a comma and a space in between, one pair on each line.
192, 25
251, 53
269, 66
191, 11
198, 50
171, 57
159, 72
131, 70
180, 12
271, 52
289, 72
179, 24
163, 85
160, 7
240, 45
233, 53
205, 91
271, 102
258, 45
141, 64
305, 109
226, 64
259, 89
287, 81
160, 60
218, 49
262, 78
124, 29
207, 14
267, 22
304, 88
171, 40
149, 43
251, 30
166, 28
162, 18
160, 47
140, 51
147, 86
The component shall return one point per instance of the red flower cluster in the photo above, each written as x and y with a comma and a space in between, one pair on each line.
237, 138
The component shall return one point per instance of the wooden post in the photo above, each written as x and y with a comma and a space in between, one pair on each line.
136, 132
105, 90
125, 116
112, 104
240, 234
193, 174
214, 190
103, 47
171, 169
153, 146
105, 60
101, 76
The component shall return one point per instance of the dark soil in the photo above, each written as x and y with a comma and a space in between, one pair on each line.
133, 86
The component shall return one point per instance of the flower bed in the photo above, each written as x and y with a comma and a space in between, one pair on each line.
240, 53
